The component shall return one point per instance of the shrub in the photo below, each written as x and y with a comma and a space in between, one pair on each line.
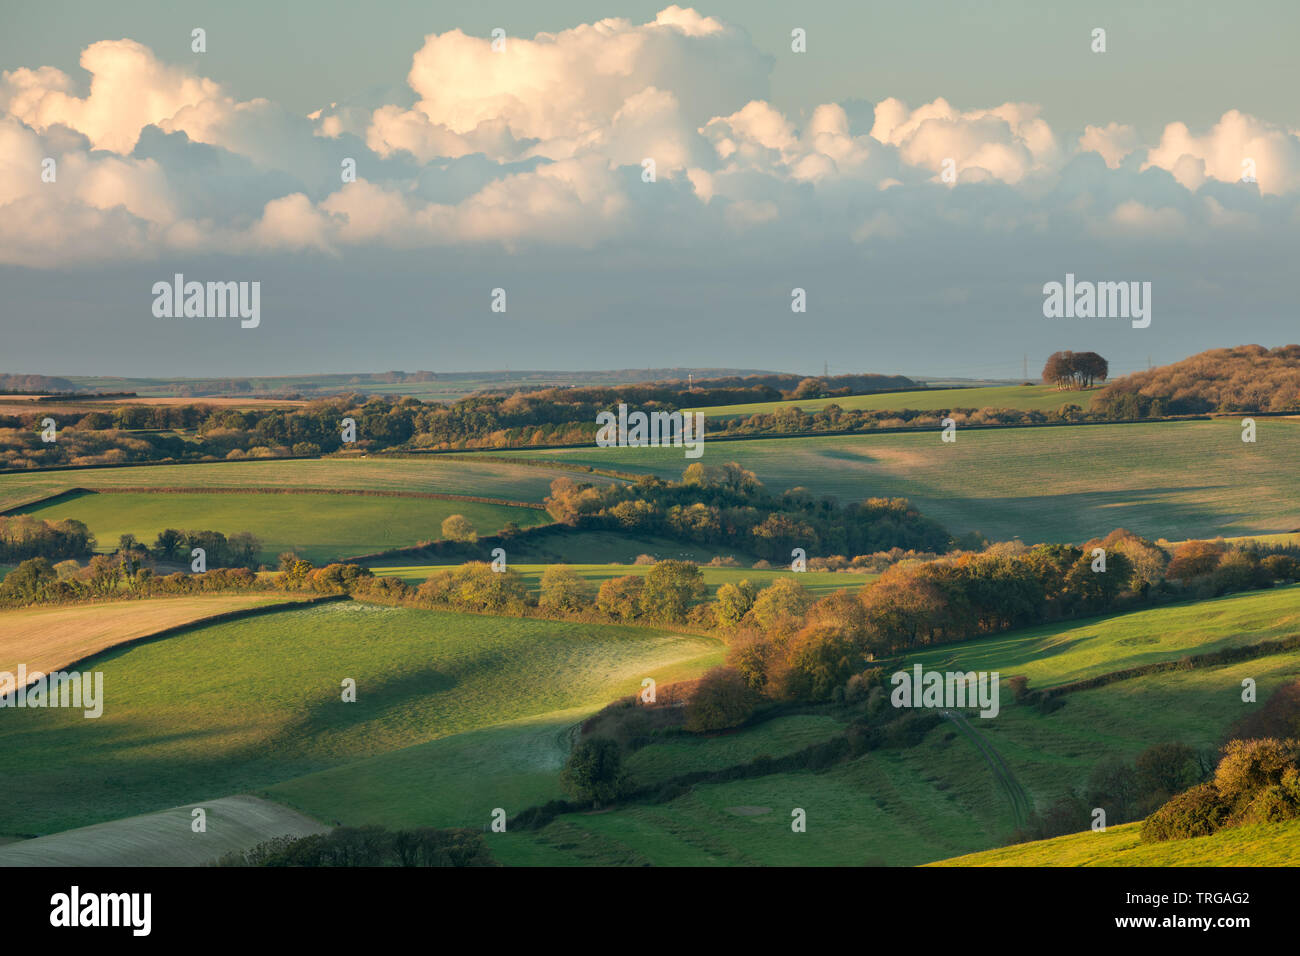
722, 699
784, 598
594, 771
620, 598
1251, 765
1199, 811
458, 528
670, 589
1165, 769
733, 603
562, 590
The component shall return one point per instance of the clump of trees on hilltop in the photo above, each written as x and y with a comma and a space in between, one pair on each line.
1075, 369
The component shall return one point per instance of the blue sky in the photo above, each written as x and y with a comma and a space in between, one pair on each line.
521, 169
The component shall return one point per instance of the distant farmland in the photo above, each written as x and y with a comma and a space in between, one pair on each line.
1174, 480
432, 474
317, 527
1024, 397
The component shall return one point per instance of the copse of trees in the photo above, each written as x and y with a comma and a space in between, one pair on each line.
1075, 369
240, 550
727, 506
23, 536
122, 575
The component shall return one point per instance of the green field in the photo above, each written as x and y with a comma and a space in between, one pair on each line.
819, 583
317, 527
238, 706
903, 807
1025, 397
428, 474
1261, 844
1059, 654
1168, 479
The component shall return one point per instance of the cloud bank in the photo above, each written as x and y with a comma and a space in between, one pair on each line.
545, 141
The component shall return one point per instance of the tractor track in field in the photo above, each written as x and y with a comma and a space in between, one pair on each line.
1021, 805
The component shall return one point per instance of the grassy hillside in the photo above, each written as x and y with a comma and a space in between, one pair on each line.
1169, 479
452, 781
899, 807
431, 474
1262, 844
818, 582
242, 705
1025, 397
941, 798
48, 638
1058, 654
317, 527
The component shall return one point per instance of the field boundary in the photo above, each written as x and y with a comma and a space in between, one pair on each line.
175, 629
1188, 662
185, 490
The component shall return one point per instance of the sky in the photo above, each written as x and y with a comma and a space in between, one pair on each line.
920, 170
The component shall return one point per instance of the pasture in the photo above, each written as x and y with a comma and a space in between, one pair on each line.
433, 473
242, 705
1175, 480
1040, 398
1053, 654
319, 527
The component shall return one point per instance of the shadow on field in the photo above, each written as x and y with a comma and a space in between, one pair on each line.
376, 699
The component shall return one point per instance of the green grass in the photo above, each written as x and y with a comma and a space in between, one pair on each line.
1168, 479
247, 704
688, 754
820, 583
1025, 397
451, 782
1058, 654
317, 527
430, 474
939, 799
904, 807
1261, 844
